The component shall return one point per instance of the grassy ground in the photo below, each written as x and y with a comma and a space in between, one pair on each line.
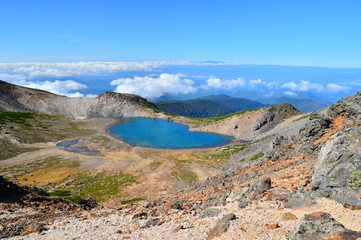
29, 128
221, 153
101, 186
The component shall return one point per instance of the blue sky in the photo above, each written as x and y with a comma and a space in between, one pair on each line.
311, 33
162, 48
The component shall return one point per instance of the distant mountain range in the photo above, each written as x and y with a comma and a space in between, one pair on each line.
209, 106
304, 105
219, 105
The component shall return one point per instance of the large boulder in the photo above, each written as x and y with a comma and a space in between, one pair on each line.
337, 170
320, 225
317, 125
350, 107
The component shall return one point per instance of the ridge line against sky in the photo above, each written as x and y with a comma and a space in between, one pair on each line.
279, 32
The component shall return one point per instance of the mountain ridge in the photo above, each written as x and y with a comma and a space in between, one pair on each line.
108, 104
208, 106
305, 105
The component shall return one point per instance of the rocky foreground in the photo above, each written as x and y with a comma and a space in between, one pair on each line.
307, 187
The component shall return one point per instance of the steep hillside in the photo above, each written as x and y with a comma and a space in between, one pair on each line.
209, 106
246, 125
108, 104
304, 105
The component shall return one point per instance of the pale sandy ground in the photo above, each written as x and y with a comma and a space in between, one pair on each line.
251, 223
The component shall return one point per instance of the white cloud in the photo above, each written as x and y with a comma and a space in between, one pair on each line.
303, 86
66, 87
337, 88
33, 70
11, 77
258, 81
219, 84
290, 94
154, 87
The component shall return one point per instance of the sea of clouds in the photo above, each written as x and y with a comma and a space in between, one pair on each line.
155, 79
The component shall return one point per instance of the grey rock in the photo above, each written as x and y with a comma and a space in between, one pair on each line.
209, 212
262, 184
320, 225
337, 169
315, 128
242, 203
141, 215
299, 200
221, 226
152, 222
350, 107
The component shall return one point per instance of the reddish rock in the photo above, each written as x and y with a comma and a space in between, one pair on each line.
273, 226
168, 207
288, 217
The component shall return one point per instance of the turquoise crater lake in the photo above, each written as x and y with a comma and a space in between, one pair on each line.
159, 133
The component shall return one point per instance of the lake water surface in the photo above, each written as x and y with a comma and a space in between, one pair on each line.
159, 133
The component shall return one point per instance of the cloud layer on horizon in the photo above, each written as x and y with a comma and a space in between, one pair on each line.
66, 87
31, 70
154, 80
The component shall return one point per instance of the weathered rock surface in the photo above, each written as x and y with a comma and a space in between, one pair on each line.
250, 193
350, 107
337, 169
209, 212
315, 128
221, 226
320, 225
273, 116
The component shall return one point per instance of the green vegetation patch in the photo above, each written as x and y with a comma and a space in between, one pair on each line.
133, 200
182, 171
256, 156
355, 180
60, 193
9, 149
262, 139
220, 153
42, 163
68, 196
100, 186
303, 117
15, 117
29, 128
155, 165
36, 128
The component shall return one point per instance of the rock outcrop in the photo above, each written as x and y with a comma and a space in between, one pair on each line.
331, 141
337, 169
273, 116
320, 225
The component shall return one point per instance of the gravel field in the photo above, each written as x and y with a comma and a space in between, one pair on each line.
260, 221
